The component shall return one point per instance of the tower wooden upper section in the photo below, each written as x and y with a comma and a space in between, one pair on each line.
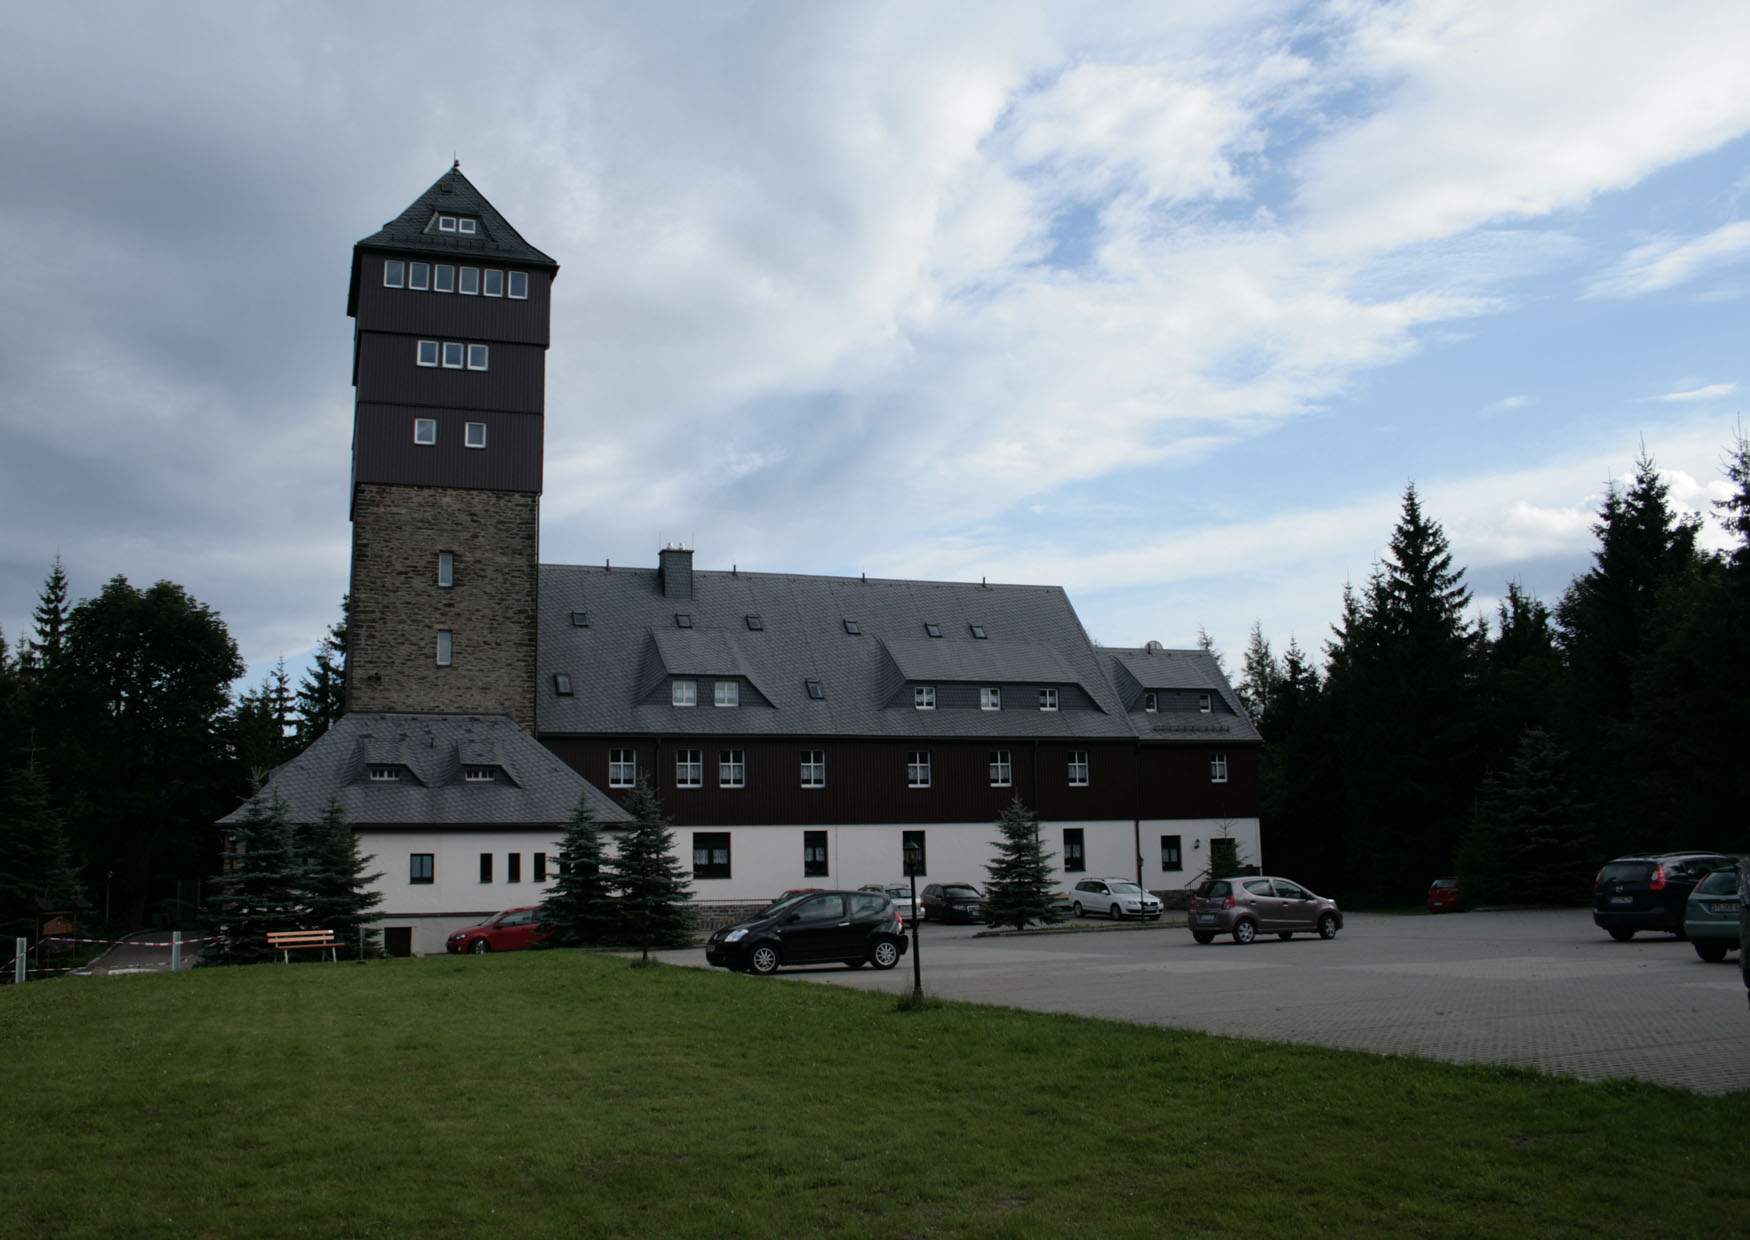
451, 309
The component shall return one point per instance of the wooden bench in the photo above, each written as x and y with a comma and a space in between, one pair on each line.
286, 941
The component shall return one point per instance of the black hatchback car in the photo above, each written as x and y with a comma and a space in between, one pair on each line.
1649, 892
946, 902
816, 927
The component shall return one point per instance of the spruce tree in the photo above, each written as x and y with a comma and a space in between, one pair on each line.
258, 889
1541, 847
321, 697
337, 891
37, 874
579, 909
1019, 889
42, 653
650, 884
1261, 677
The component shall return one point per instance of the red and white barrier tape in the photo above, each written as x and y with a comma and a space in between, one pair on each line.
60, 938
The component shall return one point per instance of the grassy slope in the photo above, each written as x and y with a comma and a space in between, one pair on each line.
562, 1093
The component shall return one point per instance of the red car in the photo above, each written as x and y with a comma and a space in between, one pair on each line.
509, 931
1443, 896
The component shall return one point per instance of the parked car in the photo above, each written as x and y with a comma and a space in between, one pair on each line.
900, 894
1248, 907
1649, 892
953, 902
1443, 896
1710, 916
509, 931
855, 927
1116, 898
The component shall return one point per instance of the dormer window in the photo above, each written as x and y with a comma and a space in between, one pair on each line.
446, 223
990, 699
923, 697
419, 276
1151, 702
726, 693
1203, 703
683, 619
978, 631
383, 773
519, 286
562, 683
394, 273
934, 630
493, 284
853, 628
684, 693
1048, 699
467, 227
479, 774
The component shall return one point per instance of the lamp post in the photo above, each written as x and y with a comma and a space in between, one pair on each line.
913, 856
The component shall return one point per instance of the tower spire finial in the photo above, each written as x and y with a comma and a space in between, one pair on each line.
455, 162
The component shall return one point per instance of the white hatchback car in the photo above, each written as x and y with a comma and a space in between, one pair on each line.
1117, 898
900, 894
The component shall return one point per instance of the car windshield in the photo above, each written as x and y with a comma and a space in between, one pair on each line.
1445, 884
784, 902
1626, 872
1215, 891
1719, 883
960, 891
1123, 889
898, 890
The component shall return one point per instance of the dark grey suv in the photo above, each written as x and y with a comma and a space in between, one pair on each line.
1248, 907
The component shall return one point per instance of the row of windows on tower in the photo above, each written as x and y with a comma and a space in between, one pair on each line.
689, 768
425, 433
452, 355
449, 278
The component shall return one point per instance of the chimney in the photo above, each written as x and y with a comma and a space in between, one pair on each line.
675, 572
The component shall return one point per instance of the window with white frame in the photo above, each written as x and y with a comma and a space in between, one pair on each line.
990, 699
454, 355
443, 278
446, 223
383, 773
814, 854
917, 768
468, 281
732, 768
684, 693
726, 693
478, 355
710, 854
519, 286
474, 435
923, 697
394, 273
1203, 703
419, 276
467, 227
1002, 769
1172, 854
493, 283
1151, 702
1078, 768
622, 768
814, 768
1218, 768
425, 431
446, 568
446, 647
426, 353
1048, 699
689, 768
1075, 850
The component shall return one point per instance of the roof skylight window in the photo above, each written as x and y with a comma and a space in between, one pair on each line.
853, 628
934, 630
816, 690
562, 683
683, 619
978, 631
580, 619
755, 624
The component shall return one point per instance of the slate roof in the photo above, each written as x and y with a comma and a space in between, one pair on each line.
1033, 638
1177, 676
534, 787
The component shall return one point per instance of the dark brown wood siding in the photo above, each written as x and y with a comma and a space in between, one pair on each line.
866, 781
389, 373
451, 314
384, 451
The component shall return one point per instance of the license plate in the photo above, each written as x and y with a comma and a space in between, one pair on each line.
1206, 917
1622, 899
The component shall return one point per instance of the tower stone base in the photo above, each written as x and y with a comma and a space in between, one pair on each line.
398, 607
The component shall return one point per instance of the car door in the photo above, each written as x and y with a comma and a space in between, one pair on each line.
815, 930
1261, 899
1294, 906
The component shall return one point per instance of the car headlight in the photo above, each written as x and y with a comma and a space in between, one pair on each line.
735, 936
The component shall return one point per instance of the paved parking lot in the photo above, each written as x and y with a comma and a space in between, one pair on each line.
1544, 990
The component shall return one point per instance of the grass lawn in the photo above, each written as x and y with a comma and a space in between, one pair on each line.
559, 1093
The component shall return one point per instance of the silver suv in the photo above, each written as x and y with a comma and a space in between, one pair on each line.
1248, 907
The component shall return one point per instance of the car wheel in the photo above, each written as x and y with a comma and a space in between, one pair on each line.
1622, 936
1117, 913
763, 960
1245, 930
1285, 935
479, 947
1204, 937
1710, 950
885, 954
1078, 909
1328, 926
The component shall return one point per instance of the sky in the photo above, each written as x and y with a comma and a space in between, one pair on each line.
1165, 308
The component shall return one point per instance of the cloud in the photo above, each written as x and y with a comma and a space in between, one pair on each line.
1507, 404
1712, 391
1667, 262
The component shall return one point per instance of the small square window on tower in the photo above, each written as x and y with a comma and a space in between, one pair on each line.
468, 282
425, 431
446, 569
493, 284
453, 355
519, 286
419, 276
474, 435
394, 273
478, 356
466, 227
443, 278
427, 353
446, 647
